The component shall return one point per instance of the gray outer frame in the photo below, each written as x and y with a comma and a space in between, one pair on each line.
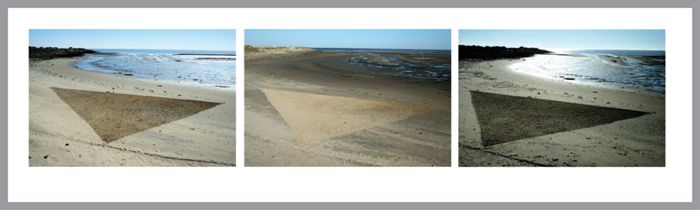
5, 4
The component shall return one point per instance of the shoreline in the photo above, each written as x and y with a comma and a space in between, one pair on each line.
563, 81
636, 141
185, 80
144, 79
499, 70
60, 137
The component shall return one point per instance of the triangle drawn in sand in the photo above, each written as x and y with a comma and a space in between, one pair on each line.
314, 117
113, 116
504, 118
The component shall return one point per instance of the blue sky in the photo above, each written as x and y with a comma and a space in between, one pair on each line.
175, 39
350, 38
558, 40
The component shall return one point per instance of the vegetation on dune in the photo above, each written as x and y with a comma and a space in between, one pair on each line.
257, 52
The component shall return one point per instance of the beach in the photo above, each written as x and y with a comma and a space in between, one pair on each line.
84, 118
304, 107
554, 122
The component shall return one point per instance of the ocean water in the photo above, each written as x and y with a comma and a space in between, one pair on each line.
216, 68
643, 70
425, 64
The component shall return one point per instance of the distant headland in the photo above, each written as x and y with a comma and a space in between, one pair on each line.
497, 52
46, 53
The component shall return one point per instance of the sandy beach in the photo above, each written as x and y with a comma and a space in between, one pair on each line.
81, 118
310, 108
567, 124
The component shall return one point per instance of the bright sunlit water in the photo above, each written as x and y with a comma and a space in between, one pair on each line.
643, 70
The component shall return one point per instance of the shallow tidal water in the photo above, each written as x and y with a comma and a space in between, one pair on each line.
424, 64
216, 68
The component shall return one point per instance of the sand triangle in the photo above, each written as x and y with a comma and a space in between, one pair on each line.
314, 117
114, 116
504, 118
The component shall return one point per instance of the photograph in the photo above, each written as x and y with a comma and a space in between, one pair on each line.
557, 98
347, 97
132, 97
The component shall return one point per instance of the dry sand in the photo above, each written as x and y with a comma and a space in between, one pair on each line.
316, 109
199, 131
573, 124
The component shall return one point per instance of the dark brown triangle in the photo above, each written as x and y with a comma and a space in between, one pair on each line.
114, 115
504, 118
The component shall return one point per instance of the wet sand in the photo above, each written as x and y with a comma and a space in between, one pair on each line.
157, 123
308, 108
563, 123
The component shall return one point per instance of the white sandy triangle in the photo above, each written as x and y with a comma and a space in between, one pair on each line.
314, 117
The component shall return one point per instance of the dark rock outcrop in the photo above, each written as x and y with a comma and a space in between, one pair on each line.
496, 52
45, 53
